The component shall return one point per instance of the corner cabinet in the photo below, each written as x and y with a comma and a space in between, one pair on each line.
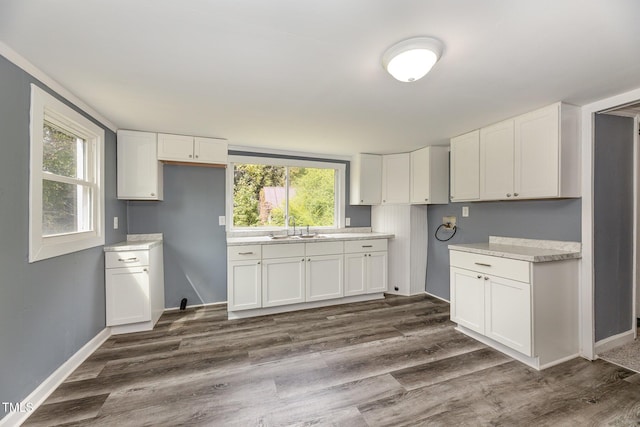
429, 176
515, 305
365, 179
396, 175
190, 149
139, 172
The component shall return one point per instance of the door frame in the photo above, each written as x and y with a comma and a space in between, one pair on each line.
586, 298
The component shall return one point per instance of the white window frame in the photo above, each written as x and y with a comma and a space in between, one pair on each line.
340, 191
44, 105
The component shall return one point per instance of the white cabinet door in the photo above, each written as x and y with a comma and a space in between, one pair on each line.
377, 275
465, 167
467, 299
430, 176
496, 161
283, 281
324, 277
210, 150
175, 147
127, 295
244, 285
366, 179
139, 172
508, 313
537, 143
395, 178
355, 274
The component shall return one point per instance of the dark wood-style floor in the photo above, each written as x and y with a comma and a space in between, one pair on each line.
393, 362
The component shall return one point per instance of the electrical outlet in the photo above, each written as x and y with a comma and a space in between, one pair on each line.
221, 220
115, 222
465, 211
451, 220
347, 221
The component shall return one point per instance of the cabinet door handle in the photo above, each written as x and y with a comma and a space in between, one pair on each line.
190, 156
516, 194
245, 253
367, 246
426, 200
308, 259
258, 262
479, 276
486, 277
197, 156
361, 201
134, 259
482, 264
145, 270
508, 194
302, 259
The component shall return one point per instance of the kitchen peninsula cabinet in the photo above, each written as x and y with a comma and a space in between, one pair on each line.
518, 296
139, 172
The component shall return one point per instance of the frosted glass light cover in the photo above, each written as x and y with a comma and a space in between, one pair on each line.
412, 65
409, 60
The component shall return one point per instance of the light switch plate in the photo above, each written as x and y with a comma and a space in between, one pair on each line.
221, 220
115, 222
347, 222
465, 211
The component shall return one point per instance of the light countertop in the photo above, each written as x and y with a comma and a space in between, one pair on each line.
266, 240
531, 250
136, 242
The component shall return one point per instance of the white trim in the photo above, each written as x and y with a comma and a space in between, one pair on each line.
49, 385
209, 304
44, 105
243, 314
19, 61
635, 226
340, 191
587, 318
437, 297
614, 341
249, 149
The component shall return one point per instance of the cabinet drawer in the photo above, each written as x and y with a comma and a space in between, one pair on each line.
126, 259
244, 252
283, 250
324, 248
496, 266
371, 245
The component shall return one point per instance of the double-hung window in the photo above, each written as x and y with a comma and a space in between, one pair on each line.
273, 194
66, 211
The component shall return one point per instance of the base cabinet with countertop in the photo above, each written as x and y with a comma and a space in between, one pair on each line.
266, 276
518, 297
134, 285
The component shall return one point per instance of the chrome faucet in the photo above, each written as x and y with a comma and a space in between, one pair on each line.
291, 217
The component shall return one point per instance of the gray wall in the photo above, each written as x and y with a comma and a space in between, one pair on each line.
51, 308
613, 225
536, 219
195, 250
194, 244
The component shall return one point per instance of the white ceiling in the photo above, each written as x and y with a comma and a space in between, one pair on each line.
306, 75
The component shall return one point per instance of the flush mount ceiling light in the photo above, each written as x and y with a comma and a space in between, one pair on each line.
409, 60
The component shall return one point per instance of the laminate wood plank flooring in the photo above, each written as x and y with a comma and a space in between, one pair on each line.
391, 362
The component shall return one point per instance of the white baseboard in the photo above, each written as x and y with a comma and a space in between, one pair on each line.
437, 297
614, 341
48, 386
168, 310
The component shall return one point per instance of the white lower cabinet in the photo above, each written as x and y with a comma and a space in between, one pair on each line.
272, 275
365, 267
134, 289
283, 281
518, 305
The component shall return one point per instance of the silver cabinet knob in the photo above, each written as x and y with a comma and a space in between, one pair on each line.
479, 276
486, 277
426, 200
508, 194
516, 194
361, 201
153, 194
197, 156
190, 156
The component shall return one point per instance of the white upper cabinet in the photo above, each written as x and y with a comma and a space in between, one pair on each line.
496, 161
396, 176
532, 156
547, 152
430, 176
465, 170
139, 171
365, 179
181, 148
